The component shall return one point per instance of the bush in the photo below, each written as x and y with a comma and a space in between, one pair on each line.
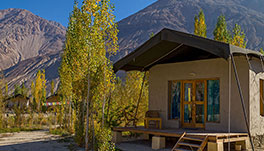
103, 139
59, 131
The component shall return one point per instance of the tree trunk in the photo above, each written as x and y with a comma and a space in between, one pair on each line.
93, 143
87, 117
70, 115
103, 112
108, 106
103, 107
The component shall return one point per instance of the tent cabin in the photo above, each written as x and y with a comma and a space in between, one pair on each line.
200, 87
17, 100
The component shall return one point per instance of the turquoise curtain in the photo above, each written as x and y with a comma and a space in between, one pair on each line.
175, 100
213, 102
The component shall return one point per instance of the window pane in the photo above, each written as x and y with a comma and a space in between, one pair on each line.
188, 92
199, 91
213, 102
187, 113
199, 113
175, 100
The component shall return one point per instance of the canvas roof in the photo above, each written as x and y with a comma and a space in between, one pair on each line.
53, 98
170, 46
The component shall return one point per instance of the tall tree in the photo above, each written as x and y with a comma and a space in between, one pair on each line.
32, 98
43, 83
238, 37
261, 51
17, 90
24, 90
221, 32
90, 38
39, 89
200, 28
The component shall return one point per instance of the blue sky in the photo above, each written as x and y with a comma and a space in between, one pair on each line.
58, 10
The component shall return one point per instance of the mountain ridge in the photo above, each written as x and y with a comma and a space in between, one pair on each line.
134, 31
25, 35
179, 15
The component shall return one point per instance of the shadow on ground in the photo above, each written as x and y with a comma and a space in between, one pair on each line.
48, 145
140, 145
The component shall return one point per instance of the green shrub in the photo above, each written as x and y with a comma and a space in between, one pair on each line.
103, 139
59, 131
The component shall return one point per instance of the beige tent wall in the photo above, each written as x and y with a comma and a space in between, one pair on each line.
256, 120
203, 69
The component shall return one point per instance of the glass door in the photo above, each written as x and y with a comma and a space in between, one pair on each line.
194, 104
200, 103
188, 95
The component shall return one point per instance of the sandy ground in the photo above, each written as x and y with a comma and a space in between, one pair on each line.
139, 145
42, 141
32, 141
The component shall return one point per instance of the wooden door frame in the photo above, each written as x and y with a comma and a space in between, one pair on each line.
201, 102
193, 103
186, 125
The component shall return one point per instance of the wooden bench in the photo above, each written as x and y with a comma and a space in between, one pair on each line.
153, 116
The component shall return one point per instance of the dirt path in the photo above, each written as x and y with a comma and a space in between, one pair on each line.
33, 141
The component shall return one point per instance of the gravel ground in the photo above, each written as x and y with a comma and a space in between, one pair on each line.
33, 141
140, 145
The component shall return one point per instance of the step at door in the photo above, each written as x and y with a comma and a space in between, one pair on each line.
190, 143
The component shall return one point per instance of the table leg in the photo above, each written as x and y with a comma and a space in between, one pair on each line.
160, 122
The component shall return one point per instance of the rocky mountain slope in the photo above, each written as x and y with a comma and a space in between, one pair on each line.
26, 70
29, 43
24, 35
179, 15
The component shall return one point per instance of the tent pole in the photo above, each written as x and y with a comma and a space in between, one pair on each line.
229, 100
140, 94
242, 100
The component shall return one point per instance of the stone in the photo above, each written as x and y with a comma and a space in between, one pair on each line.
117, 137
158, 142
215, 146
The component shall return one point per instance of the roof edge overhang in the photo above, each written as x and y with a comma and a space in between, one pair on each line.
235, 50
219, 49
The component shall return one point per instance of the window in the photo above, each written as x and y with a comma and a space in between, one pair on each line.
174, 100
186, 94
213, 101
261, 98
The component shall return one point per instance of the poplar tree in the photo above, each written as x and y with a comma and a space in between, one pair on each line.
221, 32
24, 90
39, 91
43, 84
86, 71
261, 51
238, 37
200, 28
69, 72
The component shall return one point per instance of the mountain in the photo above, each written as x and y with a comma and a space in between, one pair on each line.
179, 15
26, 70
24, 35
29, 43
